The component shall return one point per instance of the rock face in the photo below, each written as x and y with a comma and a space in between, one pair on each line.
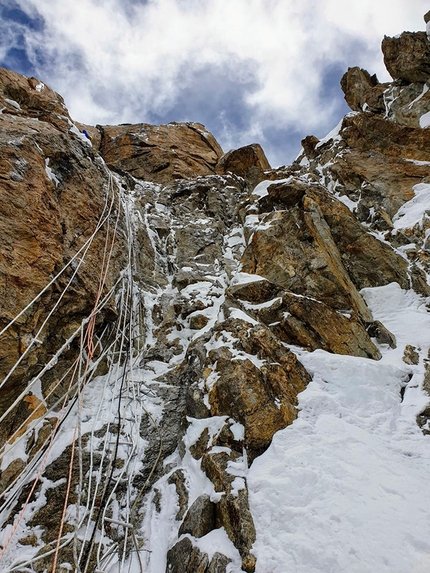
407, 57
56, 201
260, 394
249, 162
156, 297
160, 153
304, 321
327, 252
360, 88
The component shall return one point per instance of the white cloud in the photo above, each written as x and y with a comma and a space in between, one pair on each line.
115, 61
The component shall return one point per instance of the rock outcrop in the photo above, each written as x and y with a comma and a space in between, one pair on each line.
160, 153
56, 204
407, 57
249, 162
361, 89
156, 297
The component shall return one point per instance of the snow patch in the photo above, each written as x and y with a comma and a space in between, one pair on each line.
424, 91
412, 212
346, 482
218, 541
425, 120
239, 314
333, 134
261, 189
13, 103
245, 278
51, 174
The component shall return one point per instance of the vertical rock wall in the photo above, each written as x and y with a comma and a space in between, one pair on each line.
156, 295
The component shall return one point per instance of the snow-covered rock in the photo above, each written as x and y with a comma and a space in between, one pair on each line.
209, 365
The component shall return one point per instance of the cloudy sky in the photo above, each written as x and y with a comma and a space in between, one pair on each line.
262, 71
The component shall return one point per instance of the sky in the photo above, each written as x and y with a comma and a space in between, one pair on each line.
264, 71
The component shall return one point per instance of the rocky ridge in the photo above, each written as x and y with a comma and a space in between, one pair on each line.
154, 294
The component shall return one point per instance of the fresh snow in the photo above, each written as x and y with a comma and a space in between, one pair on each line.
412, 212
51, 174
217, 540
425, 120
13, 103
416, 162
245, 278
333, 134
345, 487
424, 91
261, 189
239, 314
352, 205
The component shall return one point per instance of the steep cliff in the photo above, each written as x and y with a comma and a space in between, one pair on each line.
161, 303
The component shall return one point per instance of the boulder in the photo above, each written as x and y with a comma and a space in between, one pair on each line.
249, 162
407, 57
410, 355
358, 85
382, 335
183, 557
309, 144
261, 394
200, 518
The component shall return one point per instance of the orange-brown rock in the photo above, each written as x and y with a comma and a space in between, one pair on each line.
29, 97
160, 153
93, 132
368, 261
52, 196
249, 162
407, 57
304, 321
376, 163
372, 133
309, 144
261, 394
359, 88
316, 247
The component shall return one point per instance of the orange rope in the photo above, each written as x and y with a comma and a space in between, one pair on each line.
90, 349
90, 353
42, 467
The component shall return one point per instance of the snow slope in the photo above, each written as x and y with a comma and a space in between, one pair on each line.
346, 487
